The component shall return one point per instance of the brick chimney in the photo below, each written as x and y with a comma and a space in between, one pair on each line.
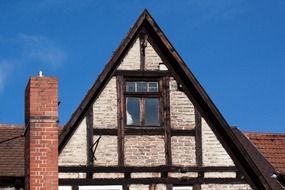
41, 133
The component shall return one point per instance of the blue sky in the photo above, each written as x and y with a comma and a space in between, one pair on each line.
236, 49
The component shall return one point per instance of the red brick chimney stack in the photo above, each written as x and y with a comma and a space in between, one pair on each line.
41, 130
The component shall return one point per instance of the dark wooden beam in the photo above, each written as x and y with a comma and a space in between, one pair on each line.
198, 145
90, 154
163, 168
127, 175
198, 137
145, 131
17, 182
176, 181
183, 132
143, 44
105, 131
142, 74
166, 120
120, 119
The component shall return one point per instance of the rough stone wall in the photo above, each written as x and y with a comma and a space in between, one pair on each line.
108, 175
152, 59
160, 187
72, 175
144, 175
139, 187
144, 150
105, 107
214, 153
106, 153
183, 150
74, 153
181, 108
220, 174
132, 59
180, 175
226, 187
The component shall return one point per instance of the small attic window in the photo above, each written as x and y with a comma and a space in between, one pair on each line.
142, 103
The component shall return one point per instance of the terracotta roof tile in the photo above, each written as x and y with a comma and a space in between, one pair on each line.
272, 146
11, 150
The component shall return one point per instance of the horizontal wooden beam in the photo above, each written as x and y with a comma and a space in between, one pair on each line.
145, 131
176, 181
105, 131
6, 181
183, 132
123, 169
153, 74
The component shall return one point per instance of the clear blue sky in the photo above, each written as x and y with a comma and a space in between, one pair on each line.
236, 49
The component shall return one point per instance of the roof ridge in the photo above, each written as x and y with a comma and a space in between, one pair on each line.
5, 125
262, 133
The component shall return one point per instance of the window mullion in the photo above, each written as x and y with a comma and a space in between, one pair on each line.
142, 111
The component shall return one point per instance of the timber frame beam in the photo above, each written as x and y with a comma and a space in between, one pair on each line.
168, 180
163, 168
145, 131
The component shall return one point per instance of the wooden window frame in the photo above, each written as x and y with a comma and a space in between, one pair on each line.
143, 95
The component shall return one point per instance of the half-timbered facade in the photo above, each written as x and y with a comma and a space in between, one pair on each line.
145, 124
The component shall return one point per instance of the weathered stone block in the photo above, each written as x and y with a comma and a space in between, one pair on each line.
183, 150
105, 107
144, 150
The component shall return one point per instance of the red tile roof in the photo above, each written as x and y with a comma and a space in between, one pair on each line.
272, 146
11, 150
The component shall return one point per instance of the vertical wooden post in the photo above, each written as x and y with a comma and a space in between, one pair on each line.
198, 145
166, 119
90, 156
121, 121
143, 43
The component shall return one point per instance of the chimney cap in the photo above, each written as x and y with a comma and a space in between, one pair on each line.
40, 74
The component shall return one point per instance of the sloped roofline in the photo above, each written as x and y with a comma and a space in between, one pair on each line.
191, 87
264, 166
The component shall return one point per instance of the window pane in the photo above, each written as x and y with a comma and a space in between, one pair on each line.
151, 115
152, 86
130, 86
133, 111
141, 87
